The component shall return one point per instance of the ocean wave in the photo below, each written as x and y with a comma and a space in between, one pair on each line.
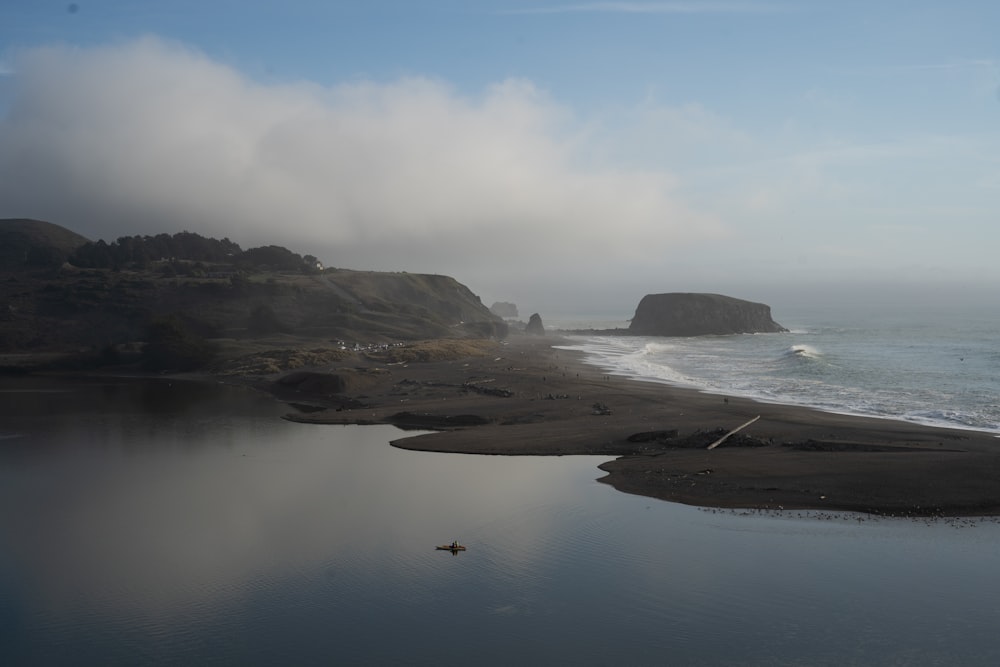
953, 419
803, 352
650, 370
861, 376
626, 357
655, 348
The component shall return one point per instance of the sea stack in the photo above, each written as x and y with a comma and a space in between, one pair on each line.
504, 309
693, 314
535, 327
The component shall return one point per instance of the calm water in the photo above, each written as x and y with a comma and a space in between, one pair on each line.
165, 523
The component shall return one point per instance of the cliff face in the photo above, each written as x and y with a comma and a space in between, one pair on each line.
687, 314
81, 308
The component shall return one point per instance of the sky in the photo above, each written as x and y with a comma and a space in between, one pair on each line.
567, 156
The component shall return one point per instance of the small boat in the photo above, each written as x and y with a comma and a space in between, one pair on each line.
454, 546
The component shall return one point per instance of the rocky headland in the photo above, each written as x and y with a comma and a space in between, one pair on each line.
205, 301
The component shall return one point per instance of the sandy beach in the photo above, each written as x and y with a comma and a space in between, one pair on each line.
525, 397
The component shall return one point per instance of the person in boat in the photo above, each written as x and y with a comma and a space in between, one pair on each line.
454, 544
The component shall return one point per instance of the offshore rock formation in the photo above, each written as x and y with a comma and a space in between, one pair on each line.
504, 309
535, 327
692, 314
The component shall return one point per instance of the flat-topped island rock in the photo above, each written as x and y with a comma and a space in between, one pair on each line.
697, 314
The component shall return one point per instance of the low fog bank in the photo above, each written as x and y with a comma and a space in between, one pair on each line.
150, 137
507, 190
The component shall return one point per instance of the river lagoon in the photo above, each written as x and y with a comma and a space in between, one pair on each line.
177, 523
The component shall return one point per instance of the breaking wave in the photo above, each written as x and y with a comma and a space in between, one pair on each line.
803, 352
937, 375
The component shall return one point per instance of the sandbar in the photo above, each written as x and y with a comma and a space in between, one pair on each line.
525, 396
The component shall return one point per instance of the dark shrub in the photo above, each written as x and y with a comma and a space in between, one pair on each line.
170, 346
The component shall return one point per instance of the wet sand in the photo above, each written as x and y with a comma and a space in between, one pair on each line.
527, 398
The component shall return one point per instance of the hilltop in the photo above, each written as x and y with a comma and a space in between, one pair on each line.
34, 243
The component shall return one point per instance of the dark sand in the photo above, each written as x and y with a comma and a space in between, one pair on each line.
531, 399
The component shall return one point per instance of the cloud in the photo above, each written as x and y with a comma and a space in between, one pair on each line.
150, 136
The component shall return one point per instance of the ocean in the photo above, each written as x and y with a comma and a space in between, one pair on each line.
931, 363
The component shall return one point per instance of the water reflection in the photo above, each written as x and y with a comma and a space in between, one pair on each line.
185, 513
207, 529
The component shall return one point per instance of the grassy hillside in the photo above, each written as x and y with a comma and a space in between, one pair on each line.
67, 308
26, 242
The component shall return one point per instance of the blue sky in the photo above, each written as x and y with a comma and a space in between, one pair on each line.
566, 156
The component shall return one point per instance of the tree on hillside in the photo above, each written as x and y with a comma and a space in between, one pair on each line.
272, 257
138, 251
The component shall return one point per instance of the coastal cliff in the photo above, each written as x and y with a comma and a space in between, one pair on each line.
60, 293
693, 314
